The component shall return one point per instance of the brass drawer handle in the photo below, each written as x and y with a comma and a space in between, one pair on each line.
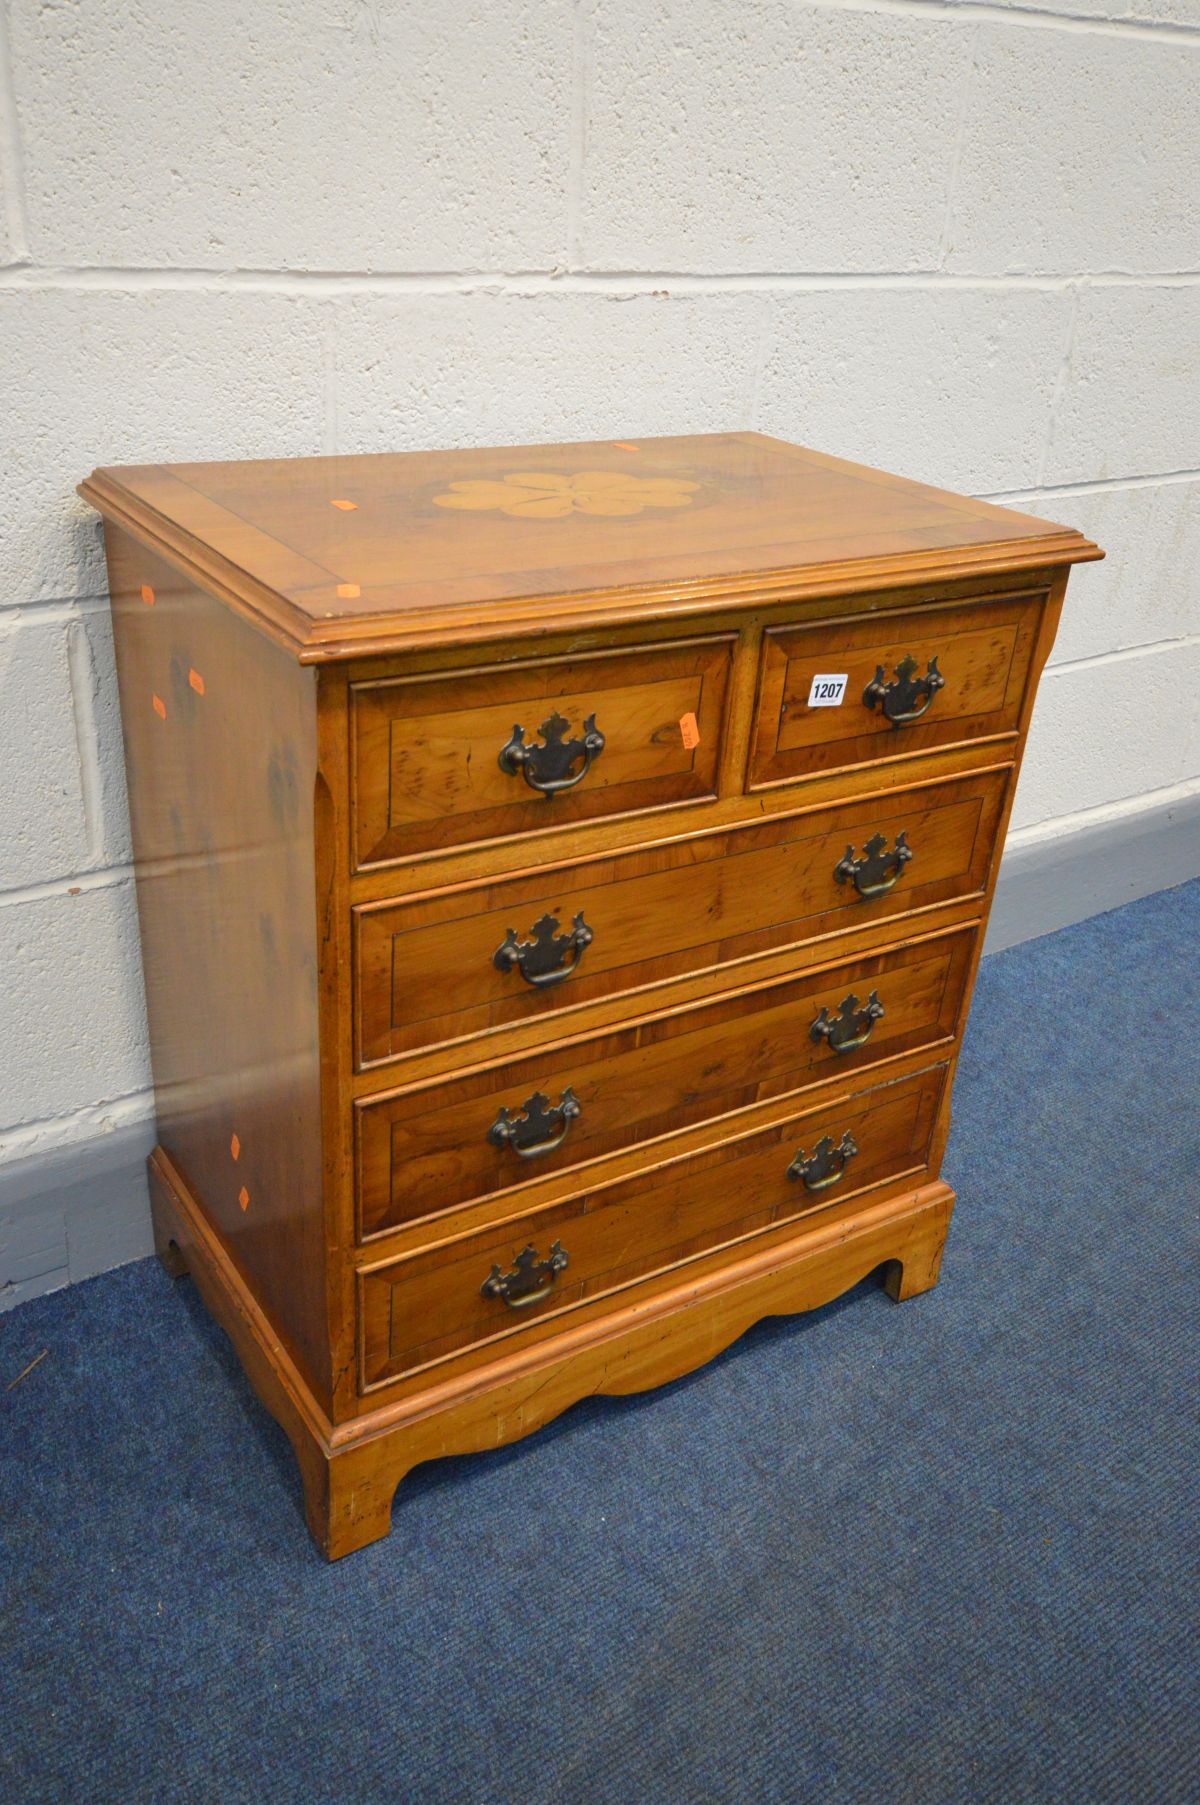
544, 960
878, 870
529, 1281
851, 1026
898, 698
533, 1133
548, 768
825, 1164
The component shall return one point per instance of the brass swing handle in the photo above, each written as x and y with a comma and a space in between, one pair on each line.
545, 959
878, 870
529, 1281
825, 1164
550, 767
900, 697
851, 1027
540, 1128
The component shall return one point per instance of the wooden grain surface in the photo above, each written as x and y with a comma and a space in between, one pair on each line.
220, 745
982, 652
425, 969
427, 1149
327, 864
334, 555
426, 767
430, 1305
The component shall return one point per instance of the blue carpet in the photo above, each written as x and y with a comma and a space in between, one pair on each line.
936, 1553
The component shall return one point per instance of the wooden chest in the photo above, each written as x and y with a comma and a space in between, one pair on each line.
561, 875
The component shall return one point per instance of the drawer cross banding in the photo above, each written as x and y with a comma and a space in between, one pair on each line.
428, 969
453, 1139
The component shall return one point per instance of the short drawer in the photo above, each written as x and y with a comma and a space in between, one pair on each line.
471, 755
435, 969
451, 1142
494, 1282
927, 677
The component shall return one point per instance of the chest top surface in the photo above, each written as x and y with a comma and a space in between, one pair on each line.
337, 556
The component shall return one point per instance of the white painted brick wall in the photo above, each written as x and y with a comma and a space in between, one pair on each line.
1087, 742
953, 385
1147, 591
961, 241
135, 376
1078, 152
492, 368
1131, 402
43, 818
296, 134
74, 1030
767, 136
6, 242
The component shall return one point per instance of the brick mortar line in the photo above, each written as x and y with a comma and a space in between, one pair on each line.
1150, 648
1101, 485
10, 147
960, 138
107, 877
329, 384
1029, 17
582, 22
84, 681
767, 326
626, 284
1062, 384
63, 608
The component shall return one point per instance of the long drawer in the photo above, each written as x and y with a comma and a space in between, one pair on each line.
481, 754
447, 1143
932, 676
438, 968
495, 1282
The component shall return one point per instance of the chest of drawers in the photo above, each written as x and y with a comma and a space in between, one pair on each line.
561, 876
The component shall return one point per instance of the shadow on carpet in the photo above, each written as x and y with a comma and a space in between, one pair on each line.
938, 1553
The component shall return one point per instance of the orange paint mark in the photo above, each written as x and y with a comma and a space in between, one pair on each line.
622, 446
160, 707
147, 595
244, 1198
347, 507
689, 732
235, 1146
196, 681
349, 592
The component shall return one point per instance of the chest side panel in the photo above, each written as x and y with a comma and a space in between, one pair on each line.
219, 727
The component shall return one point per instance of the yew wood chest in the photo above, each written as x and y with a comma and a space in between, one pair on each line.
561, 875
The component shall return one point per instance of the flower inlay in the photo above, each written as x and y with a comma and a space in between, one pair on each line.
535, 495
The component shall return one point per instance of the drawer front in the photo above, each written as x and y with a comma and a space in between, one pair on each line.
924, 678
431, 970
482, 754
485, 1286
452, 1142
